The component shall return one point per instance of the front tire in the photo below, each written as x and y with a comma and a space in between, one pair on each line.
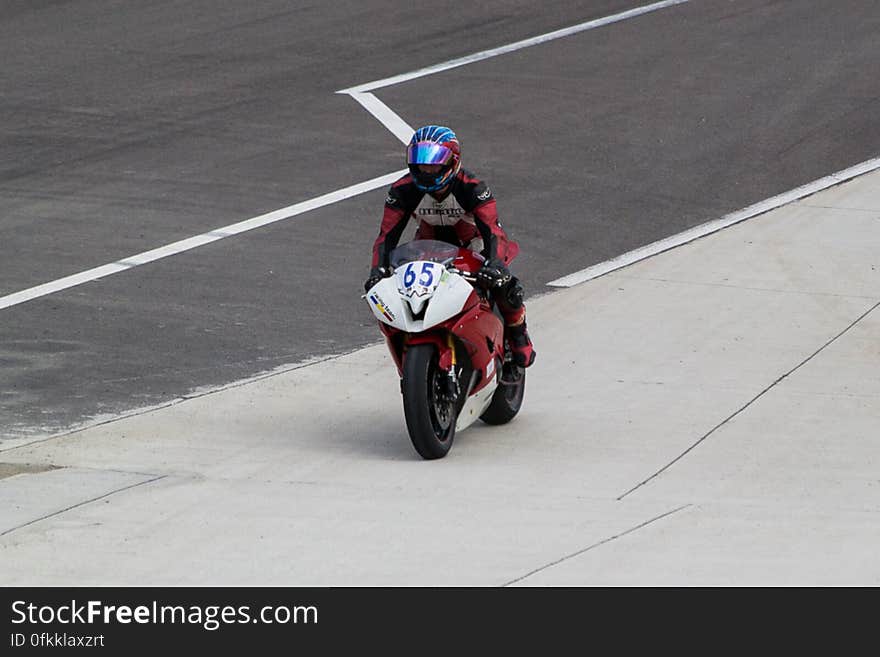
430, 416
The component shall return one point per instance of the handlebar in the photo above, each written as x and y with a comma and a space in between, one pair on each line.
470, 278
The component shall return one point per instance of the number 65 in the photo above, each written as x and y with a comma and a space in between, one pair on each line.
427, 274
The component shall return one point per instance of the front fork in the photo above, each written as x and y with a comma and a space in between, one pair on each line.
447, 362
453, 390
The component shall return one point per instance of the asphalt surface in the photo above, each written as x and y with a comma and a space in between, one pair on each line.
126, 127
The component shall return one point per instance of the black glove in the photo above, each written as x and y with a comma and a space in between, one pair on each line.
376, 275
493, 273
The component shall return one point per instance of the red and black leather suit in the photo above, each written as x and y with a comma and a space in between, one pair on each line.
465, 216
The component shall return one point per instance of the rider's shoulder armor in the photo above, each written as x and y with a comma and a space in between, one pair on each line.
404, 195
470, 191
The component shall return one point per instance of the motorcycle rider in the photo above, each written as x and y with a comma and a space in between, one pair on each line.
452, 205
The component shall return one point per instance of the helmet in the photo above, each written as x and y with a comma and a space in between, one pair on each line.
433, 144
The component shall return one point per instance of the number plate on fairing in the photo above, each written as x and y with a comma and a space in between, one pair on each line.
419, 278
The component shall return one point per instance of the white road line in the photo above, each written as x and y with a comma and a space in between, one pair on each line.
713, 226
403, 131
511, 47
199, 240
384, 114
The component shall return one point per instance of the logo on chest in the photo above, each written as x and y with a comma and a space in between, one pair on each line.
443, 214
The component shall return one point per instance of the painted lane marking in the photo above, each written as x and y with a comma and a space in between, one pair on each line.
198, 240
710, 227
511, 47
384, 114
400, 129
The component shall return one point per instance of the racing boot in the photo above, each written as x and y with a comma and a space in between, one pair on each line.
520, 344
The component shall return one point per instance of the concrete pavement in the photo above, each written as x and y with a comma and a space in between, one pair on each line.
708, 416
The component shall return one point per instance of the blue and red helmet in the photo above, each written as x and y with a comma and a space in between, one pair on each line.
433, 144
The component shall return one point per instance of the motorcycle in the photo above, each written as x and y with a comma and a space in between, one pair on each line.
447, 341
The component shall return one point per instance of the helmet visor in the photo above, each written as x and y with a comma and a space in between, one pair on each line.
427, 152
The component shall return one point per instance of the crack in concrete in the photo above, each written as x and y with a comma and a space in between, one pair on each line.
595, 545
79, 504
750, 402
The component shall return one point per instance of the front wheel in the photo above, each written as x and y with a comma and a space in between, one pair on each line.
430, 413
508, 396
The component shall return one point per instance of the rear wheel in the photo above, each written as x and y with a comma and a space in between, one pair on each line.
430, 412
508, 396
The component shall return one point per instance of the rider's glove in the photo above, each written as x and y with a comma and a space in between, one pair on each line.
376, 275
493, 273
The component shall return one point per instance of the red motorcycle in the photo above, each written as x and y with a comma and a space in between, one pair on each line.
447, 340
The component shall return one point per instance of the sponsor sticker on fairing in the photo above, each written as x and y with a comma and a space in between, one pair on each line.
377, 301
